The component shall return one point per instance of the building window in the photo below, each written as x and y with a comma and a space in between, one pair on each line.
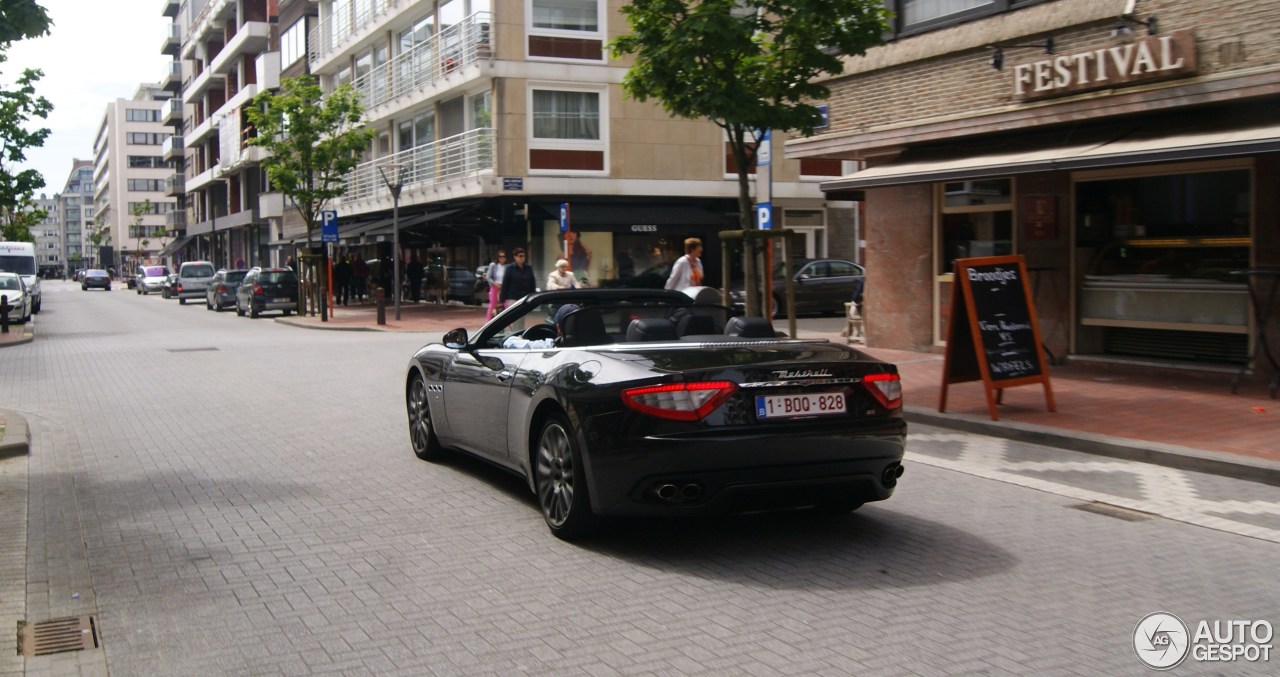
293, 43
145, 138
914, 16
566, 15
142, 162
146, 185
920, 11
566, 115
141, 115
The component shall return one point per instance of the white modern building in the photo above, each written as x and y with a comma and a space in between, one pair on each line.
76, 205
129, 177
48, 234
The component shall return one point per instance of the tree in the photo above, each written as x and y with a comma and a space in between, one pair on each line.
99, 235
746, 65
140, 209
18, 106
314, 141
16, 223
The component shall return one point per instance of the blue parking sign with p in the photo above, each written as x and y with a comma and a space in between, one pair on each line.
764, 215
329, 225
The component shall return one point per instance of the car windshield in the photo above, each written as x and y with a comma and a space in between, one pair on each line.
9, 283
198, 271
155, 271
544, 322
235, 276
96, 273
22, 265
277, 277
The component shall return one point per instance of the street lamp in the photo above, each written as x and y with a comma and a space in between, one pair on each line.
394, 185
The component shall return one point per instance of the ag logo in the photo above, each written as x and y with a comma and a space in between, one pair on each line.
1161, 641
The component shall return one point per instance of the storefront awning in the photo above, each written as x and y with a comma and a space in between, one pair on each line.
385, 227
1140, 146
176, 245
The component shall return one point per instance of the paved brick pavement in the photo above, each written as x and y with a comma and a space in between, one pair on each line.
239, 497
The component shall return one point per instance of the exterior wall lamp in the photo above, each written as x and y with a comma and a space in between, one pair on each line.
997, 57
1124, 25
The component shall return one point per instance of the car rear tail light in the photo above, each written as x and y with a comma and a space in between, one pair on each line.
179, 288
886, 388
222, 289
257, 290
679, 401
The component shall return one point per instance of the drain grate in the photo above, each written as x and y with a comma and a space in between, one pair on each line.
191, 350
74, 633
1115, 511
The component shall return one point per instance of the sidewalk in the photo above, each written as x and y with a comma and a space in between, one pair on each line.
1184, 420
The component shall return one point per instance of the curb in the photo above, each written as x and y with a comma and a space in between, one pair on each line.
292, 322
28, 335
15, 436
1156, 453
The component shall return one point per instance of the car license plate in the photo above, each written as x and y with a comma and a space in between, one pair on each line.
791, 406
282, 300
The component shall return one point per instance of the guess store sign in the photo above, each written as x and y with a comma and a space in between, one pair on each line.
1156, 57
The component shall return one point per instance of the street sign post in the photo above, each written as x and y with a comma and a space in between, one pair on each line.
329, 226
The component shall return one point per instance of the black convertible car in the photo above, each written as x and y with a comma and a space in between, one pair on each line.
642, 402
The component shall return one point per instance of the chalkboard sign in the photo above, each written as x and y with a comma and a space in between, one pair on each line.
993, 335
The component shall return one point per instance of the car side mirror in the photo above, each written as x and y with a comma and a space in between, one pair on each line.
456, 339
804, 276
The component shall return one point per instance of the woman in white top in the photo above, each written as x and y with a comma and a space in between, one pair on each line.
687, 271
493, 275
561, 278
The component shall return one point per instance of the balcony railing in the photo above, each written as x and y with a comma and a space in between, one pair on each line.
173, 76
338, 27
175, 185
172, 112
172, 39
172, 147
456, 157
176, 219
428, 61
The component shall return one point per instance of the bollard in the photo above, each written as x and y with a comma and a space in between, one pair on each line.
380, 298
324, 304
4, 314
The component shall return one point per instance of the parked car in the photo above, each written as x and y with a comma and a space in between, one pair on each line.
463, 287
95, 279
821, 286
267, 289
150, 279
193, 280
169, 290
221, 293
642, 402
653, 277
12, 287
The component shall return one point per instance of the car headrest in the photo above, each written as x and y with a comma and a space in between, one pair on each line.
749, 327
697, 324
651, 329
583, 327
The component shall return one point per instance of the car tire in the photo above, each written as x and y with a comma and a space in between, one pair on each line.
137, 291
777, 307
287, 312
560, 480
84, 287
143, 292
239, 310
182, 301
217, 307
253, 311
422, 434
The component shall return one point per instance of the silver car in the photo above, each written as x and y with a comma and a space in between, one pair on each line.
15, 290
150, 279
193, 280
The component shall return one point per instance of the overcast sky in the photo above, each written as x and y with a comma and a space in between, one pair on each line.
97, 51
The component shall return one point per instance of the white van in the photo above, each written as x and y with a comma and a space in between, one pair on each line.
20, 258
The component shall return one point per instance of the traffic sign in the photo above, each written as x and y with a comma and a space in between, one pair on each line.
764, 215
564, 216
329, 225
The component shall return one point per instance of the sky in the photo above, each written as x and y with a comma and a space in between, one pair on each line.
97, 51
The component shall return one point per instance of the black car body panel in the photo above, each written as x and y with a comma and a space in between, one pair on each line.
264, 289
95, 279
491, 401
820, 286
222, 289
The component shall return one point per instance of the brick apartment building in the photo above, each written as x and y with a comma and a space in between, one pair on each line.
1126, 148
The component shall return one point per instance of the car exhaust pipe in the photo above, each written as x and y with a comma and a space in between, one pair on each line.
667, 492
690, 492
889, 478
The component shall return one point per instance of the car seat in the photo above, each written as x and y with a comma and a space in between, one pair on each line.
651, 329
583, 327
697, 324
749, 327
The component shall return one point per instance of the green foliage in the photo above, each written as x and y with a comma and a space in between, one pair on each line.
21, 19
16, 225
18, 106
314, 141
746, 65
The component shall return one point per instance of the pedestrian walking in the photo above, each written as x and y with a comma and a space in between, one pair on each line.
518, 279
415, 273
342, 279
687, 271
561, 278
493, 275
359, 277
